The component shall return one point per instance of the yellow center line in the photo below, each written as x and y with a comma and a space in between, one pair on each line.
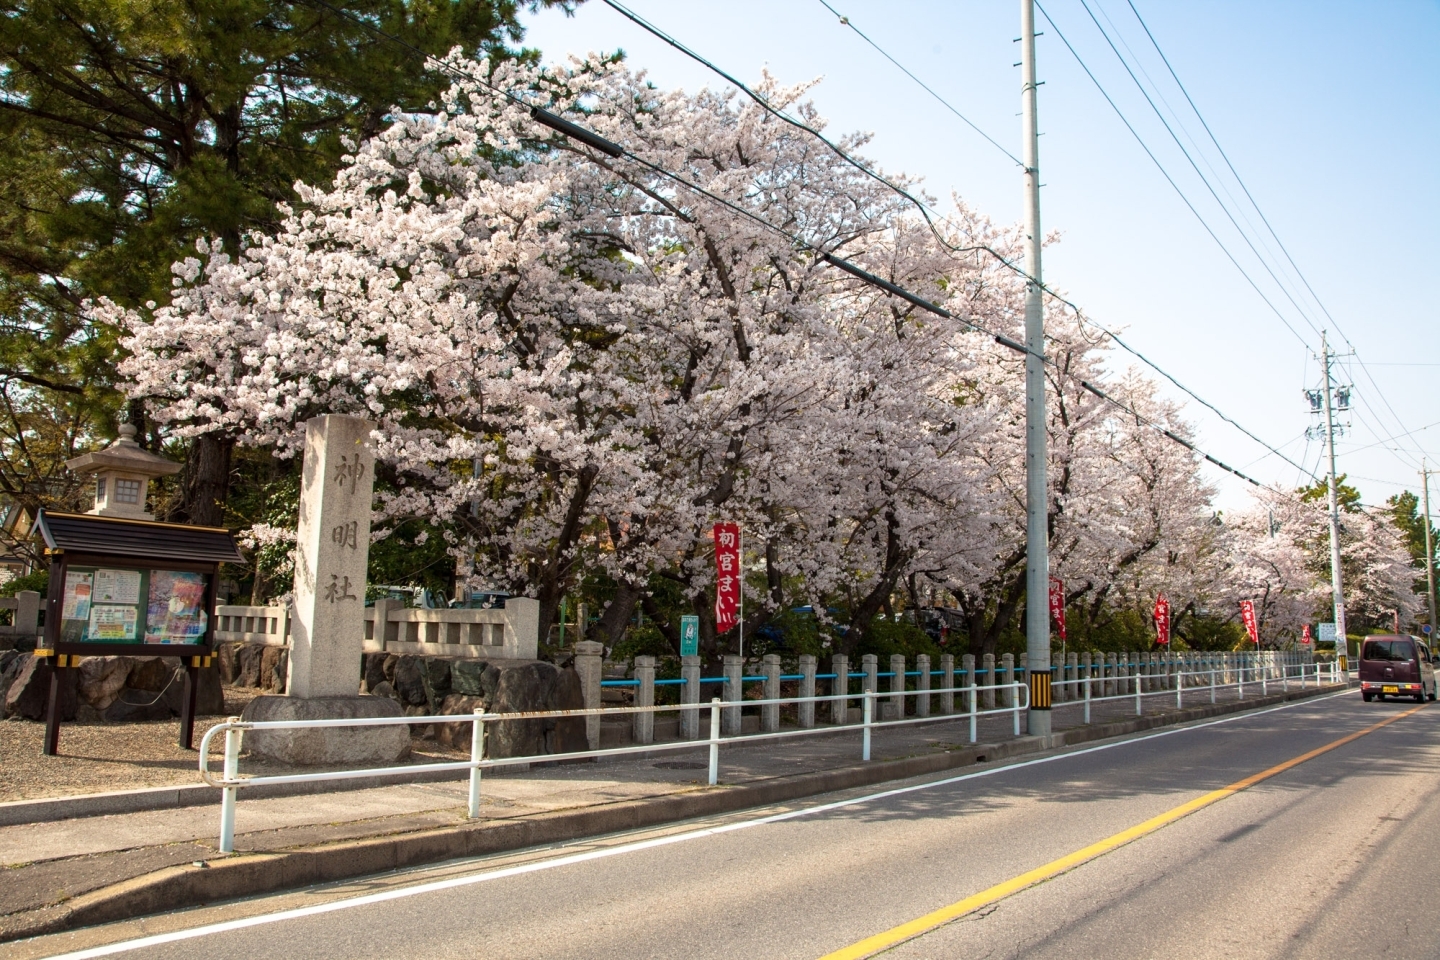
907, 931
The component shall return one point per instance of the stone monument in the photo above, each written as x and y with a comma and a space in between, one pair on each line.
327, 623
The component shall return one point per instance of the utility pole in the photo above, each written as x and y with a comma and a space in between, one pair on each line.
1037, 497
1342, 646
1429, 548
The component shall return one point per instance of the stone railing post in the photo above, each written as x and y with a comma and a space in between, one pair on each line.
947, 683
690, 693
870, 666
1072, 673
840, 689
1086, 666
588, 657
27, 615
1007, 675
522, 628
922, 683
896, 706
642, 725
806, 711
988, 678
734, 693
770, 712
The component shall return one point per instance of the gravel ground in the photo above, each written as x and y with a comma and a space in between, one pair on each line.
101, 757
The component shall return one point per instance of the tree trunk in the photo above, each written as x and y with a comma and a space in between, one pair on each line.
207, 480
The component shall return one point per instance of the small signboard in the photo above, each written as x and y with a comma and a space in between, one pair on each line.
1427, 629
1327, 633
689, 636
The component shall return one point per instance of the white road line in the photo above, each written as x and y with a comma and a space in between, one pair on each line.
565, 861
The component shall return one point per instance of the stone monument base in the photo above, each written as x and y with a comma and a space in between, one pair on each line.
326, 746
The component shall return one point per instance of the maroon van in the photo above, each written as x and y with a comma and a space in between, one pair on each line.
1396, 665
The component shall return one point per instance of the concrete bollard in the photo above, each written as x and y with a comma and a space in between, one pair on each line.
947, 683
1107, 676
588, 666
987, 678
895, 709
922, 683
840, 689
1007, 675
1072, 668
730, 716
770, 712
690, 693
806, 709
642, 725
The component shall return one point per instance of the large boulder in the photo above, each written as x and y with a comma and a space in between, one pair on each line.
31, 687
326, 746
272, 668
247, 665
456, 735
435, 678
373, 670
101, 680
568, 735
408, 683
10, 663
152, 674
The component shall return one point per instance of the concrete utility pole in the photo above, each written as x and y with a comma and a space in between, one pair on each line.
1429, 548
1037, 498
1342, 646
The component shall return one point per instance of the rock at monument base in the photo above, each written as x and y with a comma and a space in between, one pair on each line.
326, 746
10, 664
31, 686
247, 665
150, 673
409, 686
569, 733
456, 735
101, 680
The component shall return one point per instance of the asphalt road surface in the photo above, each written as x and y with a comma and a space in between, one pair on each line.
1162, 845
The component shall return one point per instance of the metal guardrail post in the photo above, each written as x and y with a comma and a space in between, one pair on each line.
714, 741
1087, 681
1138, 685
227, 795
1264, 681
867, 711
477, 753
1179, 690
1015, 689
1212, 685
1285, 677
973, 704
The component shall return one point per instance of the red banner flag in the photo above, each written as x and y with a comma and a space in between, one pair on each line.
1305, 634
1162, 620
1057, 605
1247, 616
727, 575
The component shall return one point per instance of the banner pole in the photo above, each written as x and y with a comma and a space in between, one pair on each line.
740, 550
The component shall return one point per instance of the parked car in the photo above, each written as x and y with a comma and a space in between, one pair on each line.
1395, 665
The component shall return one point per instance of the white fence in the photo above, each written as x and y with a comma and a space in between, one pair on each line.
511, 633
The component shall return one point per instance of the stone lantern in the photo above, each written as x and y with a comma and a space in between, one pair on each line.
123, 472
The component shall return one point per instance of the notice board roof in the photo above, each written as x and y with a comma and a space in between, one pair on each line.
142, 539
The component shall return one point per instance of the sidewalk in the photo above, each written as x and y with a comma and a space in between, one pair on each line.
102, 868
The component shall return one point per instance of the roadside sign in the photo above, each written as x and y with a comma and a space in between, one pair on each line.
689, 636
1427, 629
1327, 633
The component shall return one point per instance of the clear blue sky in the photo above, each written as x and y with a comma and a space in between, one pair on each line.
1329, 111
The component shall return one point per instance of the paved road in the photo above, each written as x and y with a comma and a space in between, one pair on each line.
1335, 856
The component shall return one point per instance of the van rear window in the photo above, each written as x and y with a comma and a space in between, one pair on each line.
1401, 650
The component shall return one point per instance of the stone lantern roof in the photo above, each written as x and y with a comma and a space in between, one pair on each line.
123, 472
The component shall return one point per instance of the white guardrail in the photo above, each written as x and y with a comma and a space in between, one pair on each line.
230, 781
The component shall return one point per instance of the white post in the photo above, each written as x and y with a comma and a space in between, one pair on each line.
1015, 704
1088, 681
714, 741
477, 752
1138, 708
974, 704
1212, 686
866, 713
227, 795
1179, 689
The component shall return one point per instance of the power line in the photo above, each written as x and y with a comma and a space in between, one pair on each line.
1261, 213
924, 208
615, 151
1166, 174
847, 22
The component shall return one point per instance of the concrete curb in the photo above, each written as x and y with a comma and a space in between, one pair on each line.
245, 875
